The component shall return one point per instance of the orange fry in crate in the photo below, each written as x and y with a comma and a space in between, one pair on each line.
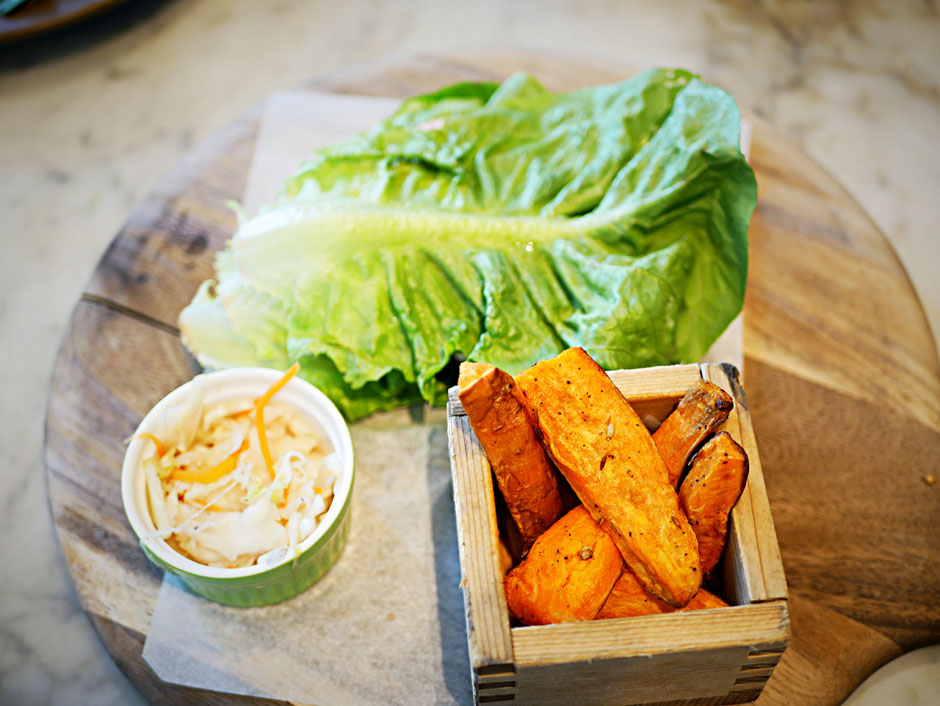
704, 408
713, 486
524, 475
567, 574
628, 598
600, 445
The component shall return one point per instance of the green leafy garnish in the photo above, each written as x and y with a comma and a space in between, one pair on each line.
497, 222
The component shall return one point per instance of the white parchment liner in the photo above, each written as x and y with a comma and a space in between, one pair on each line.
385, 625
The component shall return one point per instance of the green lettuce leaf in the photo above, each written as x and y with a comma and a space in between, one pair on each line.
494, 222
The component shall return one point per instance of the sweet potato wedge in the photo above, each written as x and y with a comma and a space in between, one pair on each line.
505, 557
524, 474
600, 445
628, 598
567, 574
704, 408
714, 484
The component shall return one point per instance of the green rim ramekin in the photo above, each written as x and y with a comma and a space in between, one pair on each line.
252, 585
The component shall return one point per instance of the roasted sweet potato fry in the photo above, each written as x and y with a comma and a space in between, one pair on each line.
600, 445
704, 408
505, 557
567, 574
704, 600
524, 474
628, 598
714, 484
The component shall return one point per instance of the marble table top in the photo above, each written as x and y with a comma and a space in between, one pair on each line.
91, 118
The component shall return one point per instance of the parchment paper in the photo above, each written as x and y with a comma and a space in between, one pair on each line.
296, 123
386, 625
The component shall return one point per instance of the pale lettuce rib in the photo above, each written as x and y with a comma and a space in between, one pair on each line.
273, 250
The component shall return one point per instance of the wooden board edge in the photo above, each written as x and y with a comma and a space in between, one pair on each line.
752, 529
763, 627
489, 639
126, 646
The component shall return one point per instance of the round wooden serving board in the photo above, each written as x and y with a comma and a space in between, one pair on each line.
841, 373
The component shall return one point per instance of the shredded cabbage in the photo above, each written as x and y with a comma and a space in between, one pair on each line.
245, 517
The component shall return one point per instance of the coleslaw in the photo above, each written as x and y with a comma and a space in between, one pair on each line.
239, 483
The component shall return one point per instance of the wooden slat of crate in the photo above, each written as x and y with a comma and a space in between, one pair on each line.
761, 675
751, 538
645, 659
762, 627
762, 660
484, 599
735, 697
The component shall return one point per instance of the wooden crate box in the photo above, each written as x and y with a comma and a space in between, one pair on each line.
720, 656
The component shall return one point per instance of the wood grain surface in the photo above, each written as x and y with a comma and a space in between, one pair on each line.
842, 378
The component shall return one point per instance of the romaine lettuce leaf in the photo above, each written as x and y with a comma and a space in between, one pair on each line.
496, 222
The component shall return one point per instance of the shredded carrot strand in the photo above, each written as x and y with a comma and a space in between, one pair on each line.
211, 475
259, 415
161, 449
